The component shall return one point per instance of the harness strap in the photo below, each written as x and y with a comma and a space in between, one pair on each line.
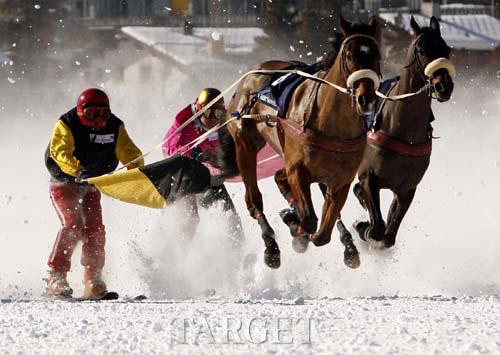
412, 150
323, 142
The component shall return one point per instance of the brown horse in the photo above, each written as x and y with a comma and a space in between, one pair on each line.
322, 137
398, 151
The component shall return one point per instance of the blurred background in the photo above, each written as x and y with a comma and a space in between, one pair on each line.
153, 56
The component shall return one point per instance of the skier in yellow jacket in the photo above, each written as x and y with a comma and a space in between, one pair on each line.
87, 141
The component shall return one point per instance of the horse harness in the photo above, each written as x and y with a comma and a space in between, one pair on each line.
308, 136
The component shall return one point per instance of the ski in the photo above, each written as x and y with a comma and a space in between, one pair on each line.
108, 296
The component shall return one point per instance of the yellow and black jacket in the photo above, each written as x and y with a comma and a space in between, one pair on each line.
75, 147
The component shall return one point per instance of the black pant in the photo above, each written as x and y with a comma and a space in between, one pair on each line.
214, 195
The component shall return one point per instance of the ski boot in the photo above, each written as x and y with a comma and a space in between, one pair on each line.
57, 285
94, 285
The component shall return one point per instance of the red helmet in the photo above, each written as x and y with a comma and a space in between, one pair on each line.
92, 107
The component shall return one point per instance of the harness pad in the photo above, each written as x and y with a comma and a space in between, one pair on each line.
278, 93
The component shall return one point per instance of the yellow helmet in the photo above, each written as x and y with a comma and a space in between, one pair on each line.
207, 95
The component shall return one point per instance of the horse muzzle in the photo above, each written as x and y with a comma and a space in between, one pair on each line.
363, 84
441, 73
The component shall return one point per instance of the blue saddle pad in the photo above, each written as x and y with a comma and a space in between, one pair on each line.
371, 120
278, 92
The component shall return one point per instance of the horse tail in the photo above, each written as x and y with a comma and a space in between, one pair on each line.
226, 159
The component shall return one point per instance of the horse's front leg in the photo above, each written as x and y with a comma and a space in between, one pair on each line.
246, 158
290, 215
399, 206
369, 192
300, 184
332, 206
351, 254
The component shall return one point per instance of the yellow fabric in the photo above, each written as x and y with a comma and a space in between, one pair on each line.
131, 186
126, 150
62, 146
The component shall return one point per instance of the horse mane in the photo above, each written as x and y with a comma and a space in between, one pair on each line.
329, 59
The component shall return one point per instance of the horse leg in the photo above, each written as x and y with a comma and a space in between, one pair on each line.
358, 193
331, 211
290, 216
351, 254
399, 207
246, 158
370, 192
300, 185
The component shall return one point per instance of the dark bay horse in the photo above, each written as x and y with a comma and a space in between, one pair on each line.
322, 137
399, 148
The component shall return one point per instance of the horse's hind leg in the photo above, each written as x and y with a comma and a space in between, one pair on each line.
331, 212
351, 254
246, 158
370, 193
400, 204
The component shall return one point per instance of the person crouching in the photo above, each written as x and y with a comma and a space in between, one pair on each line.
87, 141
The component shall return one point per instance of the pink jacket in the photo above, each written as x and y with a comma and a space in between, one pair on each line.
188, 134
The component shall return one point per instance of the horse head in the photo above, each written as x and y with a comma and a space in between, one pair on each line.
360, 62
430, 53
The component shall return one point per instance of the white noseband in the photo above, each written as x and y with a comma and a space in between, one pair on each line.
363, 74
440, 63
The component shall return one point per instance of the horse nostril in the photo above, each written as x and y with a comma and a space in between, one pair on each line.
439, 87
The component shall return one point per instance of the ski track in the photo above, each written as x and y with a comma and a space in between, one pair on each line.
389, 325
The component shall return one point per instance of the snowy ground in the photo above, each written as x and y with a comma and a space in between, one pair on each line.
448, 245
388, 325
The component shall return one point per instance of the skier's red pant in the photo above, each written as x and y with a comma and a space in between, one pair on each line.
79, 209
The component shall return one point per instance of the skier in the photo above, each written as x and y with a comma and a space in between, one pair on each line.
87, 141
205, 152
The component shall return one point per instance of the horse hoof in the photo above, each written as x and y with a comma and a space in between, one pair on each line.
300, 244
389, 242
289, 216
361, 227
319, 241
351, 258
272, 258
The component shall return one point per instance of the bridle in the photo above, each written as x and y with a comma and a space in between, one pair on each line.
426, 73
351, 78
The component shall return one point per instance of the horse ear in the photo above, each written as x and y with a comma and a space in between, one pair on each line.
345, 26
372, 22
414, 25
435, 25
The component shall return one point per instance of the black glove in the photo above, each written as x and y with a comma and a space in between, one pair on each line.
197, 154
84, 174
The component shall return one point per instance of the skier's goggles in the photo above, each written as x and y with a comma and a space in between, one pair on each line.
94, 112
218, 113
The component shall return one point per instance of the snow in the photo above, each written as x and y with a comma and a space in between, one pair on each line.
368, 325
475, 32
